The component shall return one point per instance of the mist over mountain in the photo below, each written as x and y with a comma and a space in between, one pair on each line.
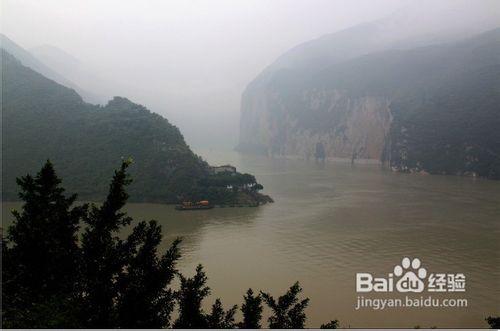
31, 61
45, 120
56, 58
425, 101
77, 71
410, 27
49, 121
194, 74
186, 63
139, 140
82, 77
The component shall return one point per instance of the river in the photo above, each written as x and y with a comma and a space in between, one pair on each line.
331, 221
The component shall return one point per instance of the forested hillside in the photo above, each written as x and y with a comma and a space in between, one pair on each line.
29, 60
45, 120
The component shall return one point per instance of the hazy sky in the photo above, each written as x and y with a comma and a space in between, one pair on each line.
187, 60
188, 39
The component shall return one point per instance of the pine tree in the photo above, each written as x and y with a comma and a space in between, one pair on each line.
220, 319
49, 280
104, 254
189, 297
288, 311
41, 255
145, 301
252, 311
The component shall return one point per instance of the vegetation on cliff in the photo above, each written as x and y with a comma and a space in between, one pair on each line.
44, 120
436, 107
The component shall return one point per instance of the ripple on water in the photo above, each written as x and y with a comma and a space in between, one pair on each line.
329, 223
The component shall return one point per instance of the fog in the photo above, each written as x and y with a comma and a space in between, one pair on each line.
191, 60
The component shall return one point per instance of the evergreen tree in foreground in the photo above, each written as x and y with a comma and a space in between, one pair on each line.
190, 296
220, 319
53, 280
252, 311
41, 256
49, 280
125, 282
288, 311
145, 300
104, 254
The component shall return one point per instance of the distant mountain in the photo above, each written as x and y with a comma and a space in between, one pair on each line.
424, 23
55, 58
75, 71
432, 109
31, 61
263, 131
45, 120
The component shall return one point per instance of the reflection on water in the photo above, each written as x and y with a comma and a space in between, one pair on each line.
329, 222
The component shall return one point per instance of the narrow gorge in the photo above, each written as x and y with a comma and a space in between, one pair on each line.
431, 108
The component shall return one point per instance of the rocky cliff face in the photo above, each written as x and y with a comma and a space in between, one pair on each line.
346, 126
428, 109
338, 92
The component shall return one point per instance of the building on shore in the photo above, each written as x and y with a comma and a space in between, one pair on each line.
222, 169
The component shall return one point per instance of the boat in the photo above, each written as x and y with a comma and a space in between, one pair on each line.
200, 205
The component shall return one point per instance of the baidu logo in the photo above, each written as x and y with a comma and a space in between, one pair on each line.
410, 276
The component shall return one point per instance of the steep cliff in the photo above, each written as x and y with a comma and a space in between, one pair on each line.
345, 126
431, 108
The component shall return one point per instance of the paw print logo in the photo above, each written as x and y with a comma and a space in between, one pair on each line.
411, 275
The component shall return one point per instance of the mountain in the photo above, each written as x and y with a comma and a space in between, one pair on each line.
45, 120
29, 60
432, 108
55, 57
411, 27
95, 89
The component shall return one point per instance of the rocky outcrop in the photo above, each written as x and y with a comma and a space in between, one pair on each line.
430, 109
346, 126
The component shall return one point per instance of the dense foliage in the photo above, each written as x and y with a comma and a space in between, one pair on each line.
252, 311
41, 266
288, 311
55, 275
43, 119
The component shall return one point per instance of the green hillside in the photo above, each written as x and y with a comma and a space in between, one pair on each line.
44, 120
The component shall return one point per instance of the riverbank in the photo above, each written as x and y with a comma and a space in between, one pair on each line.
330, 222
247, 199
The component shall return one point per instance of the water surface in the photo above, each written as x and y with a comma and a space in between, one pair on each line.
329, 222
